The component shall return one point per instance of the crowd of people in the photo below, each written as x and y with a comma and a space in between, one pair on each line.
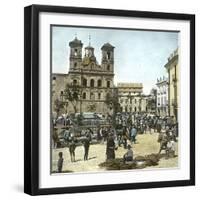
124, 134
145, 123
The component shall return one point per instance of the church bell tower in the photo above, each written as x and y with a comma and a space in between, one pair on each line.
75, 54
107, 61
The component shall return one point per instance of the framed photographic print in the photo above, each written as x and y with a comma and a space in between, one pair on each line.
109, 99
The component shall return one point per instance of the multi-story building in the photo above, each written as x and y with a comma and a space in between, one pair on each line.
162, 96
172, 67
94, 80
151, 101
131, 98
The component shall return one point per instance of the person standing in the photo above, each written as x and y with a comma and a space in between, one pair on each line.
159, 127
170, 150
64, 119
105, 134
99, 134
110, 147
133, 134
55, 138
72, 147
86, 144
162, 139
124, 137
60, 162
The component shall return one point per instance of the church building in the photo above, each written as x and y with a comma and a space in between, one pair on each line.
95, 80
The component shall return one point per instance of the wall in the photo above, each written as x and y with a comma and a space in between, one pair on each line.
11, 102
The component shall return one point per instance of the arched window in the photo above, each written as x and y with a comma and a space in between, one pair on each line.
99, 95
84, 95
75, 52
74, 82
92, 66
99, 83
85, 82
108, 67
92, 83
54, 78
135, 109
75, 65
108, 55
108, 84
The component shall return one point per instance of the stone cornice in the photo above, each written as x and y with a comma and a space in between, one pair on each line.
104, 73
172, 60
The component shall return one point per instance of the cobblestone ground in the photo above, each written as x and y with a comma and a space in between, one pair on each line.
146, 144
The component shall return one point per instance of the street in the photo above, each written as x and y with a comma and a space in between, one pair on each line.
146, 144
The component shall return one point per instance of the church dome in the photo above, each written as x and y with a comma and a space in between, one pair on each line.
75, 42
107, 46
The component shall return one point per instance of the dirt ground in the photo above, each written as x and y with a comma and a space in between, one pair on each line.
146, 144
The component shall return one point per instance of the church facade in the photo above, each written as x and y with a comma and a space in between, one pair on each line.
94, 80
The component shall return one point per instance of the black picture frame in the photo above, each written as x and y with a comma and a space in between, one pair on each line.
31, 98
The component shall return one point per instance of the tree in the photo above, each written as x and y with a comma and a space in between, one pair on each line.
113, 103
72, 93
58, 105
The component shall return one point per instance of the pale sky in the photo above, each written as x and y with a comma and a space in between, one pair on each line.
139, 55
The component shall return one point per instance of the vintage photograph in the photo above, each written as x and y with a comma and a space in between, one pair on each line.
114, 99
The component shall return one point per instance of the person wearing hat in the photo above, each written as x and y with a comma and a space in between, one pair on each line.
110, 147
60, 162
86, 145
128, 156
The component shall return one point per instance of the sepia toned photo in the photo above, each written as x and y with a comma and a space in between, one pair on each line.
114, 99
